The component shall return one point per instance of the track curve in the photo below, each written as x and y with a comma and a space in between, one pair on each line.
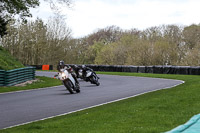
26, 106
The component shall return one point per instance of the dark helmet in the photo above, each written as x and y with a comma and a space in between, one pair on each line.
61, 64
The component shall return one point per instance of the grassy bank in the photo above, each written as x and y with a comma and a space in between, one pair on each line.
41, 83
7, 62
154, 112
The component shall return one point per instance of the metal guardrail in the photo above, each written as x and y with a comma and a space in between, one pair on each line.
16, 76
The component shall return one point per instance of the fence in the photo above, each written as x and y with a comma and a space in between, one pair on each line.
16, 76
187, 70
41, 67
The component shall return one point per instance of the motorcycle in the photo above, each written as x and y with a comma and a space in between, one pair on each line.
80, 74
68, 81
78, 71
92, 77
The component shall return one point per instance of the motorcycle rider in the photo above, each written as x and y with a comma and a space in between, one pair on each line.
76, 69
85, 68
61, 65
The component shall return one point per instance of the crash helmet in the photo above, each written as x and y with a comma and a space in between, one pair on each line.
61, 64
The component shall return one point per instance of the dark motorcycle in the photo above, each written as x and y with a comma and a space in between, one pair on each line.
92, 77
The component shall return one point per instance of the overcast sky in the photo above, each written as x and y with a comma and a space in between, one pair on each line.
86, 16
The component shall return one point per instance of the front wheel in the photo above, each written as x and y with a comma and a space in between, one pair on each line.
97, 83
94, 80
78, 91
69, 86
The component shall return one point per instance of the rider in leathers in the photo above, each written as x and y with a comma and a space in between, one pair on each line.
61, 65
84, 68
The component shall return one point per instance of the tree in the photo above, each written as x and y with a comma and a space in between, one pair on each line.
10, 8
38, 43
59, 36
20, 7
191, 35
106, 56
3, 24
56, 4
93, 51
27, 42
107, 35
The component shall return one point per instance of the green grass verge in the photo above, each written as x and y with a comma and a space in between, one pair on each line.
41, 83
153, 112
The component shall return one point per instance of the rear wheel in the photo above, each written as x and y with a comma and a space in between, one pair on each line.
77, 88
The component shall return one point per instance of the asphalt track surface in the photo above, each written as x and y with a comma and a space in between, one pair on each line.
26, 106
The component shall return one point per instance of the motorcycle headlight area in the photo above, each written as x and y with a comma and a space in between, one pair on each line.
63, 75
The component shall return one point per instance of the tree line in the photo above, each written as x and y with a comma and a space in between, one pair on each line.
36, 42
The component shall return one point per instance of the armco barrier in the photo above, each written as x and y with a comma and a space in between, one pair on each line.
149, 69
194, 71
16, 76
187, 70
158, 69
41, 67
142, 69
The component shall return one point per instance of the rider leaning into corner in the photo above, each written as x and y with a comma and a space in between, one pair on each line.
85, 68
61, 65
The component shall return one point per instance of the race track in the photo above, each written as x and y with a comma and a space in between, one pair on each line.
26, 106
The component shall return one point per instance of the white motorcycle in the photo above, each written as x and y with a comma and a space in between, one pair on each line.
68, 81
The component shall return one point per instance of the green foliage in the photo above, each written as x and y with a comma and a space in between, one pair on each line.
93, 51
9, 8
137, 51
20, 7
191, 35
154, 46
40, 43
36, 43
8, 62
105, 56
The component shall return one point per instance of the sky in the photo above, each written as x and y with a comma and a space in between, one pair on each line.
87, 16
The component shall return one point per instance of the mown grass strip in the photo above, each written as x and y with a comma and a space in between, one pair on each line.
41, 83
154, 112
